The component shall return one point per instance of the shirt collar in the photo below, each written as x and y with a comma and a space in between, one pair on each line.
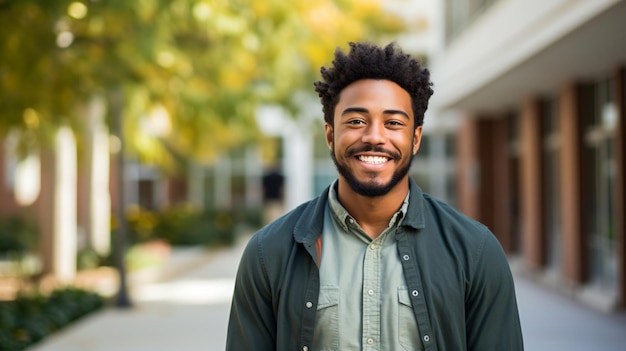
342, 216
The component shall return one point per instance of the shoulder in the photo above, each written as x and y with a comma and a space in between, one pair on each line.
297, 225
465, 236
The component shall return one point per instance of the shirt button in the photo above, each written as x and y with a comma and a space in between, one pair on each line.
426, 338
415, 293
309, 304
305, 348
406, 257
370, 292
373, 247
370, 341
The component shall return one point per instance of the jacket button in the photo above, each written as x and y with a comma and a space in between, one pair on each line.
305, 348
415, 293
426, 338
309, 304
405, 257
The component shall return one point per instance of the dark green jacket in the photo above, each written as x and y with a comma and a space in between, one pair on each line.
461, 286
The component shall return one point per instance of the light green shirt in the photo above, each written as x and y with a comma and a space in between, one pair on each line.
364, 303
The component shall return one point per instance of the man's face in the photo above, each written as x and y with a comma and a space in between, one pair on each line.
373, 139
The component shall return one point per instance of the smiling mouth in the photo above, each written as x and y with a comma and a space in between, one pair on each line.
374, 160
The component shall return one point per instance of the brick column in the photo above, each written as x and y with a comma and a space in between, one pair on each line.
572, 217
467, 168
532, 218
486, 186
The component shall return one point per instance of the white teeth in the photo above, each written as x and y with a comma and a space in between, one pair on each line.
373, 159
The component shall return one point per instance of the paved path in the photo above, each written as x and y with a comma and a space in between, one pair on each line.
190, 313
187, 313
553, 322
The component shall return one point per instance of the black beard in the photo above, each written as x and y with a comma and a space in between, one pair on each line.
370, 189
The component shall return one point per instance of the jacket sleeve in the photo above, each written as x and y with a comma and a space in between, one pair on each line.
492, 318
252, 322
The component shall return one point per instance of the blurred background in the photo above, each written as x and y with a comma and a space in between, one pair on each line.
131, 128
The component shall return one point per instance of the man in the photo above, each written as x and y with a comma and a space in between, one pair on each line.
374, 263
273, 181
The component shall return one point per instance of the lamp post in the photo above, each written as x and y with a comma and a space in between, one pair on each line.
120, 242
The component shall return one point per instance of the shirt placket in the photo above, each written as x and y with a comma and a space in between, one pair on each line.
371, 296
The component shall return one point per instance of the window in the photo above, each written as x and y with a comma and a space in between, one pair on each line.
599, 148
146, 196
450, 145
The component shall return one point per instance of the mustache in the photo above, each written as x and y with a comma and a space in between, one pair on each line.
373, 148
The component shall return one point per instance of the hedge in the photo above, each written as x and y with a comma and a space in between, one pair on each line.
31, 317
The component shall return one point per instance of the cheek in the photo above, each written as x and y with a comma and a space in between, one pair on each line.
406, 142
343, 139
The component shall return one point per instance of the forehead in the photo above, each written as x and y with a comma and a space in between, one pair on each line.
374, 93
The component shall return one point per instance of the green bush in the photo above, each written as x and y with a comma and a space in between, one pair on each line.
211, 228
31, 317
88, 258
17, 235
184, 225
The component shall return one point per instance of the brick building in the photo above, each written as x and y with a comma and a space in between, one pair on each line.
539, 89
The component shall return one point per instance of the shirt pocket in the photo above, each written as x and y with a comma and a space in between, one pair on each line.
327, 319
408, 331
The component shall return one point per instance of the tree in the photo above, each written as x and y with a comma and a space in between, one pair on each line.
208, 63
183, 77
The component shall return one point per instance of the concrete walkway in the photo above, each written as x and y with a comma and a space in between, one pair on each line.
190, 312
553, 322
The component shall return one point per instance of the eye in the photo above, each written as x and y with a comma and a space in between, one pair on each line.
395, 123
355, 122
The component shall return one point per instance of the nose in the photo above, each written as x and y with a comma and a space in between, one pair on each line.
374, 134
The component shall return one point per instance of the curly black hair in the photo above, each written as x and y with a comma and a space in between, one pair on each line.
368, 61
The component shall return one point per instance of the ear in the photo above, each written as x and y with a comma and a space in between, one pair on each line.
417, 139
329, 131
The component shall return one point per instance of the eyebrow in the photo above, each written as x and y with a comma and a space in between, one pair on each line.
364, 110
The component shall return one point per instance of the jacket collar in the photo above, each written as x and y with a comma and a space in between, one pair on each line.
309, 226
415, 215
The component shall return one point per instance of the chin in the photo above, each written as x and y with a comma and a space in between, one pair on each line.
370, 189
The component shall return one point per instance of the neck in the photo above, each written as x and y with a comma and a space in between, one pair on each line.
372, 213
